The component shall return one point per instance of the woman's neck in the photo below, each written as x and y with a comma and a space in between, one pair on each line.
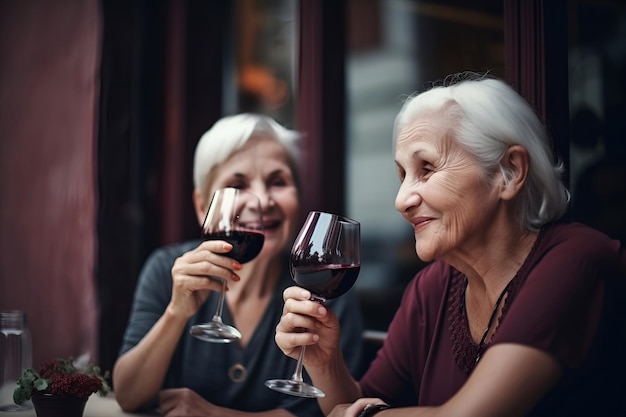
259, 278
490, 267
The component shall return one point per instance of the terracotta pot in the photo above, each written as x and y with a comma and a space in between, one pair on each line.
53, 406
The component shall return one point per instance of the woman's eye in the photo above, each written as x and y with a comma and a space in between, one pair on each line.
425, 170
401, 174
277, 181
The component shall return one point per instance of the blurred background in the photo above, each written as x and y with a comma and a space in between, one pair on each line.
103, 101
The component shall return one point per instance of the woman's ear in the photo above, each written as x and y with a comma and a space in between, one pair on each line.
200, 206
515, 164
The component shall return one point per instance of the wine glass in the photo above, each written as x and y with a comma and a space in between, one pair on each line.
326, 260
235, 217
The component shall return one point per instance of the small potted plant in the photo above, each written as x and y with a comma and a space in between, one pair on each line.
60, 387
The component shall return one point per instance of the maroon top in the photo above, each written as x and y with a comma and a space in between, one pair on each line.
553, 304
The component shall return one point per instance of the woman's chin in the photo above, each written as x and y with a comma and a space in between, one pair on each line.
271, 248
424, 254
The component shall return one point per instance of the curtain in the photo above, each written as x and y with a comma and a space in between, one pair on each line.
536, 43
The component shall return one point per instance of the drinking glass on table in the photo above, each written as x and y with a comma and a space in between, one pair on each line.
235, 217
325, 259
15, 357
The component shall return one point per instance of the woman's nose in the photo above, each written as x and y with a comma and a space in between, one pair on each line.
264, 197
406, 198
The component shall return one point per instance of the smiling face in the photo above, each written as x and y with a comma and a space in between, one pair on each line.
262, 167
444, 193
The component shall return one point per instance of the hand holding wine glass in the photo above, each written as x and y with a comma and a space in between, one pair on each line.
325, 259
235, 217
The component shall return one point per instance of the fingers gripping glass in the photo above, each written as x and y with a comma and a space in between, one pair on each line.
326, 260
235, 217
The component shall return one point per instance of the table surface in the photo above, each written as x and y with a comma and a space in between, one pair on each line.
97, 406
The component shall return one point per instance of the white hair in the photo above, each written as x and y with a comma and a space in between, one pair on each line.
229, 134
486, 116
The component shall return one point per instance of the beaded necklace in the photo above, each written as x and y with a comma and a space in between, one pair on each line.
492, 318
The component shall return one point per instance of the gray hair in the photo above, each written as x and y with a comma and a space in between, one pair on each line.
229, 134
487, 116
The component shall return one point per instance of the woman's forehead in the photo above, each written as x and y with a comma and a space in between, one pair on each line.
422, 132
262, 147
263, 153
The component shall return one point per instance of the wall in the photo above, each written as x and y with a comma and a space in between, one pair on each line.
48, 93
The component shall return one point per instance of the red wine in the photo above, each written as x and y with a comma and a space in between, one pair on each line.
246, 243
326, 281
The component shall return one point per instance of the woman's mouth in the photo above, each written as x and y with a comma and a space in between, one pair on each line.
271, 225
420, 223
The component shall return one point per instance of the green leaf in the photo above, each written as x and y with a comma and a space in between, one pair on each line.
40, 384
20, 396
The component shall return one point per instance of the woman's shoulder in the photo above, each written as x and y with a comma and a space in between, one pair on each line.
578, 241
431, 284
160, 261
573, 232
169, 253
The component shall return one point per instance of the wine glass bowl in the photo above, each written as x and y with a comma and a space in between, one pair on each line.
330, 282
233, 216
326, 260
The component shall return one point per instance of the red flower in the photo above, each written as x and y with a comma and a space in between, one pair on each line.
49, 368
78, 385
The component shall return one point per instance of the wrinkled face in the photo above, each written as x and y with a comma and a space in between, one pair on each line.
261, 167
443, 192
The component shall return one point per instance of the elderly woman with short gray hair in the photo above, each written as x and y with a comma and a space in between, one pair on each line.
160, 362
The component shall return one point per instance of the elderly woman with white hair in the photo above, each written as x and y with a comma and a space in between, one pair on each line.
160, 362
518, 312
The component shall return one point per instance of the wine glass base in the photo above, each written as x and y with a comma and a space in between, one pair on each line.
215, 332
299, 389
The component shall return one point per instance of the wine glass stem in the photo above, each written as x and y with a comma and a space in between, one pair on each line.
297, 374
220, 303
